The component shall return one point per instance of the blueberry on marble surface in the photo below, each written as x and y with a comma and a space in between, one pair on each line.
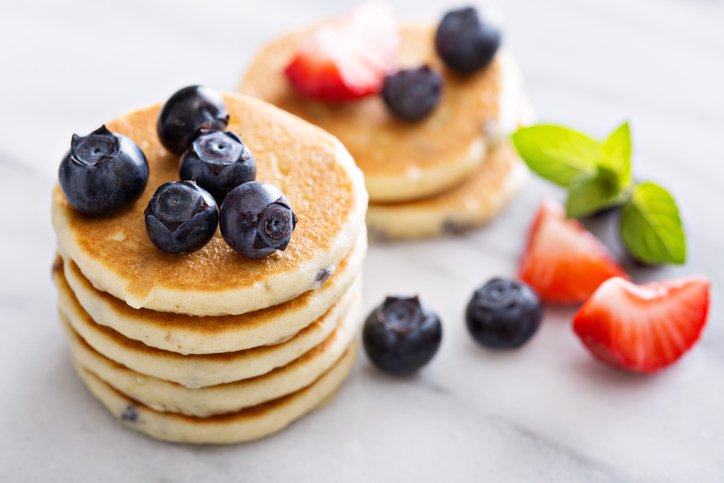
503, 314
181, 217
219, 162
186, 113
465, 41
257, 219
401, 335
103, 172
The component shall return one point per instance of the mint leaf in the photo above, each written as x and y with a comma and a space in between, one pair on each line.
593, 194
617, 154
558, 154
651, 227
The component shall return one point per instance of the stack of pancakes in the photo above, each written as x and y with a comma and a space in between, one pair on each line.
451, 171
212, 347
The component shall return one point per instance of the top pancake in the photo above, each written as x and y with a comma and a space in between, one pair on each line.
310, 166
401, 160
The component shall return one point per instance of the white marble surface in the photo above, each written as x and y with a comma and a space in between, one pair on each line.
544, 413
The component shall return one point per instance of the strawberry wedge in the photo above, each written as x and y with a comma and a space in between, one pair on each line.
643, 328
563, 261
348, 58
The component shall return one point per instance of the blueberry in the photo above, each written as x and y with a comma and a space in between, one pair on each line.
219, 162
103, 172
256, 219
412, 94
186, 113
503, 314
401, 335
465, 42
181, 217
130, 414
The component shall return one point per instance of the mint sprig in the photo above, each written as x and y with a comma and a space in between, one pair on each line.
594, 194
617, 151
558, 154
597, 176
651, 227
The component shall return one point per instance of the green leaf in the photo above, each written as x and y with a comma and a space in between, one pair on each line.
558, 154
651, 227
617, 151
590, 195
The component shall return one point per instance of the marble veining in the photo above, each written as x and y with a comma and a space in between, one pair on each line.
545, 413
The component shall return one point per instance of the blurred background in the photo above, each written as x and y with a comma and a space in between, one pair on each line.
67, 66
548, 414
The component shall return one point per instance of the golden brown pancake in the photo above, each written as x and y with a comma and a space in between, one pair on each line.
245, 425
205, 369
401, 160
220, 399
189, 334
471, 204
310, 166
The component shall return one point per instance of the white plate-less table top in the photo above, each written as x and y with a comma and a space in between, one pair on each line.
547, 412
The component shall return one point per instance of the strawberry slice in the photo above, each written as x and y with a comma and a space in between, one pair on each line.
563, 261
347, 58
643, 328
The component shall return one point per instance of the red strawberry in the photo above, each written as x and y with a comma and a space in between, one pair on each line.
643, 328
564, 262
348, 58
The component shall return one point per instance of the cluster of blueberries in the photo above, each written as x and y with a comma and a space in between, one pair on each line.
105, 172
402, 335
464, 41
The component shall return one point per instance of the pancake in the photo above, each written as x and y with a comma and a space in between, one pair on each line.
167, 396
245, 425
401, 160
473, 203
207, 369
310, 166
187, 334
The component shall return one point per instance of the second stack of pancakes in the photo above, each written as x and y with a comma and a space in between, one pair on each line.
451, 171
211, 347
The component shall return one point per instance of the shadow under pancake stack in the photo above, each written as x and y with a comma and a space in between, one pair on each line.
213, 347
